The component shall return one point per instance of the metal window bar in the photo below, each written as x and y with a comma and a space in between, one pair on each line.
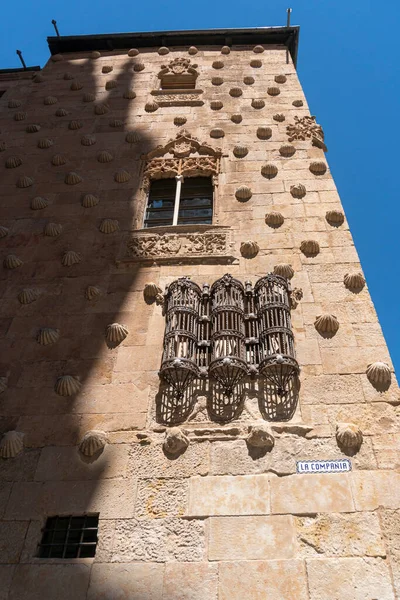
71, 541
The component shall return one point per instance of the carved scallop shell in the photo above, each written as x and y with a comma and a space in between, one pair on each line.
279, 117
94, 55
175, 442
258, 49
298, 190
3, 231
105, 157
57, 58
61, 112
235, 92
249, 249
33, 128
217, 133
74, 125
287, 150
248, 80
53, 229
88, 140
273, 91
318, 167
264, 133
122, 176
3, 384
28, 295
240, 151
138, 67
20, 116
115, 334
12, 262
50, 100
257, 103
297, 103
58, 160
72, 178
280, 78
236, 118
309, 247
260, 436
354, 281
11, 444
88, 97
192, 50
48, 336
68, 76
132, 137
284, 270
111, 85
256, 63
243, 193
67, 385
133, 52
225, 50
44, 143
217, 81
116, 123
39, 202
107, 69
218, 64
14, 103
274, 219
76, 85
92, 292
180, 121
101, 109
335, 217
349, 437
269, 170
89, 201
13, 162
109, 226
163, 50
24, 182
151, 107
326, 324
216, 105
70, 258
92, 442
38, 78
129, 94
3, 146
150, 292
379, 374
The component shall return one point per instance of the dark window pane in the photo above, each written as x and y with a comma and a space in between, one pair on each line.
92, 522
90, 535
71, 551
44, 551
47, 537
160, 205
69, 537
59, 537
62, 523
77, 522
87, 551
56, 551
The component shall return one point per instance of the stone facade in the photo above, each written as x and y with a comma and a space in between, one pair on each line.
221, 518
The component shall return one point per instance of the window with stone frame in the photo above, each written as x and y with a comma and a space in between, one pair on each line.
72, 536
179, 74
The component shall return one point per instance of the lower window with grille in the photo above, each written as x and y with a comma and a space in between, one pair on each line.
180, 201
69, 537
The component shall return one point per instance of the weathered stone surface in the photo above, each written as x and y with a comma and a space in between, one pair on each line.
35, 582
372, 489
252, 538
150, 461
160, 498
332, 389
240, 495
126, 582
12, 535
6, 575
390, 523
5, 491
355, 578
22, 468
387, 451
190, 581
265, 580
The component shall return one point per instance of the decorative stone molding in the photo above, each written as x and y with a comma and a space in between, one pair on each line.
236, 118
12, 261
163, 50
89, 201
20, 116
88, 140
58, 160
298, 190
280, 78
52, 229
249, 249
318, 167
349, 438
105, 157
218, 64
256, 64
264, 133
260, 436
57, 58
3, 231
133, 52
13, 162
354, 281
217, 133
38, 203
235, 92
295, 296
28, 295
151, 107
48, 336
138, 67
243, 193
101, 109
70, 258
240, 151
269, 171
150, 292
92, 292
94, 55
177, 98
107, 69
68, 76
335, 217
287, 150
175, 442
14, 103
111, 84
72, 178
92, 442
379, 375
274, 219
132, 137
258, 49
3, 383
284, 270
67, 385
216, 104
297, 103
61, 112
129, 94
248, 80
122, 176
305, 128
257, 103
76, 86
88, 97
109, 226
50, 100
24, 182
115, 334
11, 444
273, 91
217, 81
326, 324
309, 247
74, 125
179, 121
192, 50
225, 50
279, 117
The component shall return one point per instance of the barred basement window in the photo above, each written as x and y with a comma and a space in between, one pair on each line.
69, 537
179, 201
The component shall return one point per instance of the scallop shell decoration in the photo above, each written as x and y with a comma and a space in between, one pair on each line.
225, 50
218, 64
33, 128
298, 190
107, 69
122, 176
12, 262
243, 193
52, 229
349, 437
14, 103
101, 109
335, 217
217, 133
76, 85
129, 94
264, 133
192, 50
217, 81
109, 226
248, 80
89, 201
280, 78
72, 178
379, 375
88, 140
216, 105
67, 385
3, 384
326, 324
138, 67
257, 103
116, 123
240, 151
287, 150
3, 146
258, 49
68, 76
94, 55
274, 219
180, 121
132, 137
74, 125
279, 118
58, 160
249, 249
13, 162
269, 171
92, 442
3, 231
235, 92
297, 103
92, 292
163, 50
256, 64
151, 107
50, 100
273, 91
61, 112
88, 97
24, 182
115, 334
57, 58
309, 247
44, 143
284, 270
11, 444
20, 116
70, 258
236, 118
318, 168
38, 203
354, 281
111, 85
28, 295
133, 52
105, 157
150, 292
48, 336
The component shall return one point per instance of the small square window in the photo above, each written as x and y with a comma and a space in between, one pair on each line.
69, 537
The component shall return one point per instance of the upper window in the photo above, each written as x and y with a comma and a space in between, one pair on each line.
69, 537
180, 201
179, 74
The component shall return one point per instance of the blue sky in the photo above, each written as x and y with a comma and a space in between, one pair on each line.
348, 66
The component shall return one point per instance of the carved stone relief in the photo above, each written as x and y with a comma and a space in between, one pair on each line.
305, 128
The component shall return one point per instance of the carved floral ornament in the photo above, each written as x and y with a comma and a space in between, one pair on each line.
305, 128
177, 74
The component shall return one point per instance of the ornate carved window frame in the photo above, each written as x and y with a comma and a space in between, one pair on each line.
175, 71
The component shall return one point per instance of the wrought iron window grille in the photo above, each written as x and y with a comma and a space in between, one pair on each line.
69, 537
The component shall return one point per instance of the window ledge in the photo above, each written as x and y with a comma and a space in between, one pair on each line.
178, 97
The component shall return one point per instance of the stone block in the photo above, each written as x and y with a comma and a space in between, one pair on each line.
252, 538
35, 582
6, 575
374, 489
346, 360
390, 523
387, 451
190, 581
263, 580
331, 389
160, 498
5, 491
226, 495
12, 536
150, 461
355, 578
126, 582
